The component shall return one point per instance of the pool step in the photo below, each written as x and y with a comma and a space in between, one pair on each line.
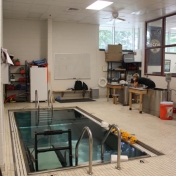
45, 115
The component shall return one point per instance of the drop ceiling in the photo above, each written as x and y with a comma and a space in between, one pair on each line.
134, 12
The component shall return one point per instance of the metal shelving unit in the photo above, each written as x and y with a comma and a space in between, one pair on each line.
21, 88
114, 71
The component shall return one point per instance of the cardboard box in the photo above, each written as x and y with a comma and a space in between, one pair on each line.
113, 57
114, 49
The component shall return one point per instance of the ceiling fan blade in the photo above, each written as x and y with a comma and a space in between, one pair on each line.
106, 18
120, 19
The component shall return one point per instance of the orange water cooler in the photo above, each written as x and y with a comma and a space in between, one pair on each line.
166, 110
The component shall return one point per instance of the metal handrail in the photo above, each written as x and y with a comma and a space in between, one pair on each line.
48, 98
90, 148
118, 146
50, 101
37, 103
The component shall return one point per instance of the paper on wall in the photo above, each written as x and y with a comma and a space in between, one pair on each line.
6, 56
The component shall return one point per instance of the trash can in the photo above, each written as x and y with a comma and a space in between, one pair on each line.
151, 100
166, 110
124, 95
94, 94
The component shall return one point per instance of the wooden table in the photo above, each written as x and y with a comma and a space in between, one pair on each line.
114, 87
138, 91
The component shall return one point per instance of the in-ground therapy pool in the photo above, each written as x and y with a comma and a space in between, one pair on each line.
68, 123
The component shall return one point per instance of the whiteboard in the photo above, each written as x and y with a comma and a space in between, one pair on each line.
71, 66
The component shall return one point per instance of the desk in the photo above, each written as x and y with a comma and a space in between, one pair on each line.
114, 87
138, 91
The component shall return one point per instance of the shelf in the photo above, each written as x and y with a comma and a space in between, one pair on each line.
18, 81
19, 73
118, 70
115, 61
17, 65
16, 90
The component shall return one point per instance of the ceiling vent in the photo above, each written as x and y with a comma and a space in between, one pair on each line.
72, 9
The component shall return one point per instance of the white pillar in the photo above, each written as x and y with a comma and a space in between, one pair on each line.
1, 100
49, 51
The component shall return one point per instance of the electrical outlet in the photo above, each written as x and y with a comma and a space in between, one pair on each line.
104, 68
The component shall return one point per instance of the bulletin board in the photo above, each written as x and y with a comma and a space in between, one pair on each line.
71, 66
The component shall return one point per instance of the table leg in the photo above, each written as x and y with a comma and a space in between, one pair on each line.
114, 91
108, 93
130, 101
140, 108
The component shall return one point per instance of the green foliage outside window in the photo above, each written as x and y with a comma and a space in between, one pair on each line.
124, 38
105, 37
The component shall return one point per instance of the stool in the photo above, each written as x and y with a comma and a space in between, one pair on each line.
115, 96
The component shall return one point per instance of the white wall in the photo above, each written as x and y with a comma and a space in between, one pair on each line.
78, 38
26, 39
1, 99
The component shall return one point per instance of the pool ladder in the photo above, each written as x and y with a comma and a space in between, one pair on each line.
90, 148
118, 145
44, 114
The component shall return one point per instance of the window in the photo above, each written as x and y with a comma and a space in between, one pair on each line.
129, 38
160, 46
124, 37
105, 36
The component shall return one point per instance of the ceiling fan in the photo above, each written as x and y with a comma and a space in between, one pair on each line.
114, 17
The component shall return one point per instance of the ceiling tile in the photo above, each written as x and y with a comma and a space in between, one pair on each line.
44, 2
85, 1
25, 1
127, 1
19, 5
42, 9
34, 15
37, 10
39, 6
63, 17
141, 4
51, 15
19, 15
8, 0
116, 7
7, 5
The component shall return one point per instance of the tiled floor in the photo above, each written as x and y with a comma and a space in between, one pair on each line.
149, 129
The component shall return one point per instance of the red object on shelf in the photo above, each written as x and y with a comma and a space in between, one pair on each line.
174, 110
22, 79
9, 87
22, 71
17, 63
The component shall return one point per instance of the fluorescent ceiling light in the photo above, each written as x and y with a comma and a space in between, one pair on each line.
98, 5
174, 28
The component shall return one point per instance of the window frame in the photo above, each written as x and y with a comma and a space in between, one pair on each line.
162, 47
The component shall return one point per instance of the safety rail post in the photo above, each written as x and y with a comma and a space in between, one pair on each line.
37, 103
36, 152
118, 145
51, 102
90, 148
48, 98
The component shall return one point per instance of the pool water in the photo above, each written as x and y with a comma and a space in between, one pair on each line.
28, 124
